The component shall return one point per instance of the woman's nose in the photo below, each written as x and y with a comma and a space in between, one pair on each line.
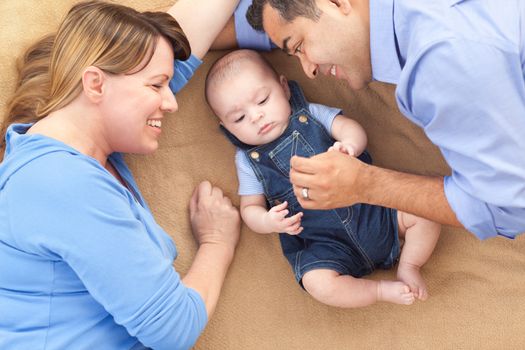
169, 102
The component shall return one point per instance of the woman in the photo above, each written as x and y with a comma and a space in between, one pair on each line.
84, 265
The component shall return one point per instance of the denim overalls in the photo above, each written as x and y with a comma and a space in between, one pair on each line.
351, 240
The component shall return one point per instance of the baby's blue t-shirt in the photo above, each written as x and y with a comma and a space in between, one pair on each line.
248, 182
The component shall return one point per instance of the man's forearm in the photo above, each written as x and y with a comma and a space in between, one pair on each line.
420, 195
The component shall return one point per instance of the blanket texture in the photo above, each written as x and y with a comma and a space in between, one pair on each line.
476, 288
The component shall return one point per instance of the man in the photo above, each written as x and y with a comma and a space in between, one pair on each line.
458, 66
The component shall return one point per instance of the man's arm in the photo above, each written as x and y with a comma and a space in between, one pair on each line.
336, 180
202, 21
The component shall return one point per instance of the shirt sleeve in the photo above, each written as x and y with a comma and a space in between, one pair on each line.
183, 71
247, 37
76, 213
324, 114
469, 98
248, 182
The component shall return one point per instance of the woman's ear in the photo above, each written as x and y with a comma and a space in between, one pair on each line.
93, 80
284, 84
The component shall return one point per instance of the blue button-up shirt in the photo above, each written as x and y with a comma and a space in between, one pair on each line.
458, 66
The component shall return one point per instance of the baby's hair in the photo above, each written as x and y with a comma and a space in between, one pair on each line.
230, 64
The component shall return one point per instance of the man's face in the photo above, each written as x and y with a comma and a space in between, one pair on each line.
338, 43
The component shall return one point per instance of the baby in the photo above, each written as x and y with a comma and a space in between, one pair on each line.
268, 119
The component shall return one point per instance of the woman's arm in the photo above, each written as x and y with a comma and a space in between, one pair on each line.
216, 227
203, 21
227, 37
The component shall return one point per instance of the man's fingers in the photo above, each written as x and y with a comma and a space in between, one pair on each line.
303, 165
300, 180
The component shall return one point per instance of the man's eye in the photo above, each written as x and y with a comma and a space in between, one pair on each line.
263, 101
298, 49
239, 119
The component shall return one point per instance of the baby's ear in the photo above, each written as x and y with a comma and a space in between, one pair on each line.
284, 84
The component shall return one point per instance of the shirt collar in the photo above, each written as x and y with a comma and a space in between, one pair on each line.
383, 51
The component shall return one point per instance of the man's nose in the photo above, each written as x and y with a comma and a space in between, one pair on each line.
309, 68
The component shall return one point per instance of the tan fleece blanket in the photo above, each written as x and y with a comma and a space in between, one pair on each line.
476, 288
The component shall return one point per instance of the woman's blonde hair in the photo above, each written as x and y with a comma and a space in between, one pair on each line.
114, 38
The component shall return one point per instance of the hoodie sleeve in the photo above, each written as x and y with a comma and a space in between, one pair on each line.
76, 212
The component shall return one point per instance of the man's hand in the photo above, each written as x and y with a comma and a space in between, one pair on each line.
331, 179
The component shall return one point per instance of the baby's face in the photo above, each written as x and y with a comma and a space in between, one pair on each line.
253, 105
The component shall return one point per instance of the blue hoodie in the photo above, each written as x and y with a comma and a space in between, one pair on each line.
83, 263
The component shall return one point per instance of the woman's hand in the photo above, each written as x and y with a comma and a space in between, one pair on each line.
214, 219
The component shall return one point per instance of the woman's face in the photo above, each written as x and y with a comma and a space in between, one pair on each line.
134, 104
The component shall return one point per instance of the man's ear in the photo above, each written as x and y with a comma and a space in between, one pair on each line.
284, 84
344, 6
93, 80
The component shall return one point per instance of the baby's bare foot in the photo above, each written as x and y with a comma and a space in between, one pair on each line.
410, 274
395, 292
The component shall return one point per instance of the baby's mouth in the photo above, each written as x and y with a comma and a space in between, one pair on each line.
266, 127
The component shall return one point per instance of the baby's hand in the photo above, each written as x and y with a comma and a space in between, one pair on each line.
278, 222
343, 148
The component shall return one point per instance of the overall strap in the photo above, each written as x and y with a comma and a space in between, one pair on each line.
297, 99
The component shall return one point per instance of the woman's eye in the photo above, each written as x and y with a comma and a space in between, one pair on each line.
239, 119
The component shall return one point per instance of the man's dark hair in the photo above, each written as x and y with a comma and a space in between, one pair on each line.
287, 9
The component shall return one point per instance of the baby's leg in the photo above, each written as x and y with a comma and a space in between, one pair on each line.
332, 288
420, 236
